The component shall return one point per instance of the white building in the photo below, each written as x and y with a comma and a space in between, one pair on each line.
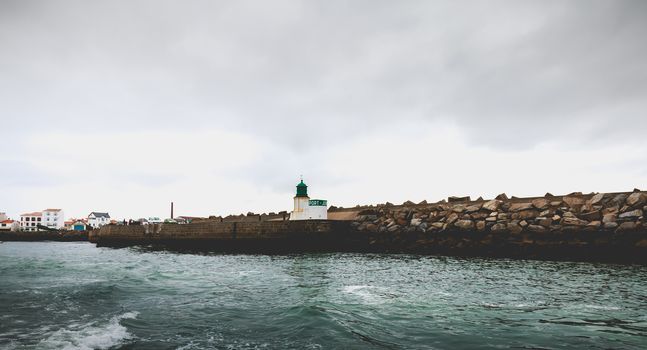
306, 208
3, 216
9, 225
96, 219
30, 221
53, 218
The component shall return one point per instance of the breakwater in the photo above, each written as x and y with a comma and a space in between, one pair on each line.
58, 236
594, 227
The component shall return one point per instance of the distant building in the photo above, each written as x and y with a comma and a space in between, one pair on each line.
53, 218
30, 221
306, 208
3, 216
79, 226
96, 219
9, 225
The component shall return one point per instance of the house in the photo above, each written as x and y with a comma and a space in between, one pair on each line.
53, 218
3, 216
79, 226
30, 221
306, 208
9, 225
97, 219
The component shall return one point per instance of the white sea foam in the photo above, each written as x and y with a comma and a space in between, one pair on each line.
90, 336
363, 292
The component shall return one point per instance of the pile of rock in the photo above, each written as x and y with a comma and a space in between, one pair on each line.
616, 212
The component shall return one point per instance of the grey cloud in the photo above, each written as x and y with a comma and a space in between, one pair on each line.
508, 73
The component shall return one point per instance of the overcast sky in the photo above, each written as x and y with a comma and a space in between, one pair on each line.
219, 106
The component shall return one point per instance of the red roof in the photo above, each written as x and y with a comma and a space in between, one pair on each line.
37, 213
7, 222
52, 210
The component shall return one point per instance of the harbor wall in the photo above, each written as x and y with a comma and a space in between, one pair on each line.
593, 227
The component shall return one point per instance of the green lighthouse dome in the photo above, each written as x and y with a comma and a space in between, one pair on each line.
302, 189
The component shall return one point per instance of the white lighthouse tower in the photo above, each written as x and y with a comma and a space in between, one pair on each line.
306, 208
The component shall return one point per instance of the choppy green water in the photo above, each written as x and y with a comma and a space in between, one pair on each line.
74, 295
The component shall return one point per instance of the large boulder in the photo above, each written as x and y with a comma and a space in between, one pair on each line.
452, 218
473, 208
570, 219
632, 214
492, 205
540, 203
499, 228
591, 215
536, 228
574, 201
596, 199
626, 226
502, 197
609, 218
458, 199
514, 228
636, 199
528, 214
480, 225
520, 206
464, 224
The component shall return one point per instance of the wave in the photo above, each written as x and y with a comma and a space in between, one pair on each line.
91, 336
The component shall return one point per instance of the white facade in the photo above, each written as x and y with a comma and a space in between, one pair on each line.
306, 208
53, 218
30, 221
97, 220
3, 216
9, 225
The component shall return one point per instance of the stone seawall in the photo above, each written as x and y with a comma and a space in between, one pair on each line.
59, 236
263, 236
593, 227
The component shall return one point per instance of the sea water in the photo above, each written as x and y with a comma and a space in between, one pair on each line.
78, 296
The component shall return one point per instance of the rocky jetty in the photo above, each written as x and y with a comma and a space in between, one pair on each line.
575, 225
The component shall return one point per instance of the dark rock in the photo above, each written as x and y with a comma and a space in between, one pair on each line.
480, 225
424, 202
453, 199
528, 214
594, 225
464, 224
626, 226
618, 200
548, 195
610, 225
536, 228
514, 228
545, 222
408, 203
499, 228
502, 197
590, 216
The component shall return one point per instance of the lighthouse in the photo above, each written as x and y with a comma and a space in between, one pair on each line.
306, 208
